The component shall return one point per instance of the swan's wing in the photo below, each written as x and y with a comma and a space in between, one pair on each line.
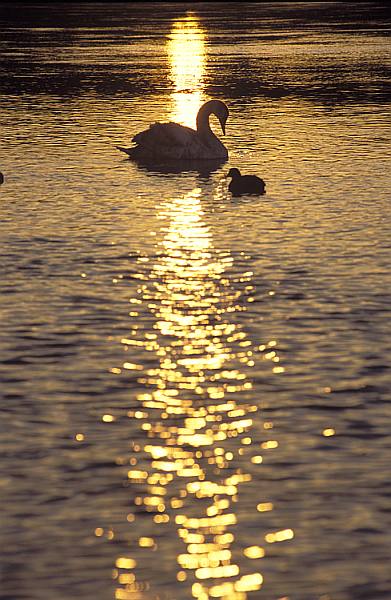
166, 135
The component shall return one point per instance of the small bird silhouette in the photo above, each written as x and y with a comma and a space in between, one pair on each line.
245, 184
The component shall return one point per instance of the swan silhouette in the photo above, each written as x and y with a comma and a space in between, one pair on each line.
177, 142
245, 184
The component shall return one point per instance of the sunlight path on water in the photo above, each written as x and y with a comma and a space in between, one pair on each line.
187, 57
195, 413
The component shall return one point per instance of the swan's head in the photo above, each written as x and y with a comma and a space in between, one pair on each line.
233, 173
221, 112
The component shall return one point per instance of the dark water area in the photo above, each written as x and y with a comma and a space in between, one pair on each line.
195, 388
52, 34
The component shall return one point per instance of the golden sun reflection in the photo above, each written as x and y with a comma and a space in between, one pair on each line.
194, 411
186, 53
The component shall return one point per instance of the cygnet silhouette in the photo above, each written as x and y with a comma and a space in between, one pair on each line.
242, 185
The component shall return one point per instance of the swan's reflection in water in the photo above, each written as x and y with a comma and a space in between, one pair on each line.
196, 417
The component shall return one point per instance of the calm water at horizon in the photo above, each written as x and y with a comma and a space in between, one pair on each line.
195, 388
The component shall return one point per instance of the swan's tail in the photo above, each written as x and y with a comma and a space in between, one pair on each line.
126, 150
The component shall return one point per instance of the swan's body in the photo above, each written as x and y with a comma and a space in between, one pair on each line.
177, 142
245, 184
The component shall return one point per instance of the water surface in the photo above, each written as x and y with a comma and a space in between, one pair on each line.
196, 388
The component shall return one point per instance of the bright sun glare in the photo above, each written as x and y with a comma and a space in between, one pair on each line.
186, 54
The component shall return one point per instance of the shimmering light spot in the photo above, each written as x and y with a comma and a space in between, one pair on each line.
257, 460
176, 503
133, 591
217, 572
125, 563
249, 583
137, 474
279, 536
161, 518
132, 366
146, 542
139, 414
223, 590
254, 552
270, 444
264, 506
79, 437
246, 441
99, 532
108, 418
126, 578
328, 432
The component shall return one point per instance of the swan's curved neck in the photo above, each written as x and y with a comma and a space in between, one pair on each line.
203, 126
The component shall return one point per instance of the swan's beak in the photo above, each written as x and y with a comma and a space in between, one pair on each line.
223, 121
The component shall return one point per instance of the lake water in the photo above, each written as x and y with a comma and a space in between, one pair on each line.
196, 388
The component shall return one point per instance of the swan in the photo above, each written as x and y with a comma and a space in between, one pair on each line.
245, 184
178, 142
